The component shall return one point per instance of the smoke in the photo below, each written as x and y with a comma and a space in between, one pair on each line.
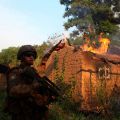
116, 36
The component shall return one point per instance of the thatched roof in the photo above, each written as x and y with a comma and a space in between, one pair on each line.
115, 59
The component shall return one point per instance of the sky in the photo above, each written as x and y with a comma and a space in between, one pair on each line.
29, 21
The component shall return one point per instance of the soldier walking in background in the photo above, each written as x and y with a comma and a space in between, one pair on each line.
27, 99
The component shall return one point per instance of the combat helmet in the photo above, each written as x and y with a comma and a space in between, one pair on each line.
26, 48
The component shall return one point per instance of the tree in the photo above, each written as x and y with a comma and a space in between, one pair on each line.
8, 56
91, 15
40, 51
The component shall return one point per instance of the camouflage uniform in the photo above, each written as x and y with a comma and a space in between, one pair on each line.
22, 105
21, 101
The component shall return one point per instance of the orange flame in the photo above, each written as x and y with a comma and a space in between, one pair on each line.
92, 47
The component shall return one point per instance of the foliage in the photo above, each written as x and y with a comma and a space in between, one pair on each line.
90, 15
3, 115
56, 62
106, 26
101, 98
114, 100
66, 109
40, 51
77, 41
57, 77
41, 48
57, 113
8, 56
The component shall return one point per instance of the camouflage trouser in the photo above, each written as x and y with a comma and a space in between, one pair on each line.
40, 113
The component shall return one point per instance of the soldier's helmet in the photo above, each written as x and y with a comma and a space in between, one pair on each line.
24, 49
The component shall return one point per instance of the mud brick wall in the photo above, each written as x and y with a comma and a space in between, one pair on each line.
81, 67
68, 65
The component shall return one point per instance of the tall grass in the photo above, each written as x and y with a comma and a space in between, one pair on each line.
66, 109
3, 115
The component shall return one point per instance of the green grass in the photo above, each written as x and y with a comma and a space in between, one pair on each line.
59, 111
3, 115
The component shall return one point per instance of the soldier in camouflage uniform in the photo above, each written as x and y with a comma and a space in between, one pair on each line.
24, 102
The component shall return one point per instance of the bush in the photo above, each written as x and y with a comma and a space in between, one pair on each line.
3, 115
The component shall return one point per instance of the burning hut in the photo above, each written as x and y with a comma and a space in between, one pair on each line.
93, 73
